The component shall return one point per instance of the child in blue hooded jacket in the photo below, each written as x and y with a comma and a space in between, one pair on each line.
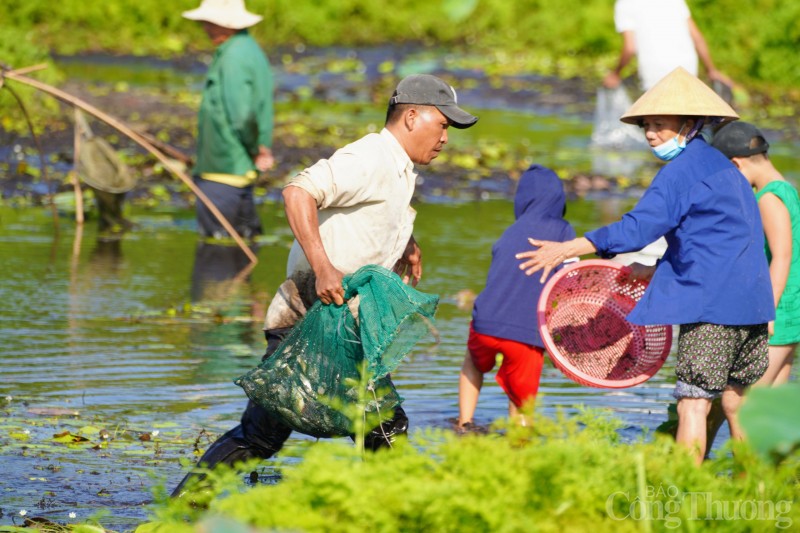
504, 313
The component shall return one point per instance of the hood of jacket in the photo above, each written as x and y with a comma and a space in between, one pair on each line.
540, 194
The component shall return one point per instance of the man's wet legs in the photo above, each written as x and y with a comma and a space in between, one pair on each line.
384, 435
258, 436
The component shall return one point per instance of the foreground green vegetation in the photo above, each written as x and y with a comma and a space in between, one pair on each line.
562, 474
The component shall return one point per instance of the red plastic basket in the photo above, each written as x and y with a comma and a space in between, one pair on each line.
582, 323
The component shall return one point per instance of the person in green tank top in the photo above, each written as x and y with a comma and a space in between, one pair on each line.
779, 205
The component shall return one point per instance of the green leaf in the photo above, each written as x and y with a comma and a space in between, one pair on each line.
87, 528
771, 420
459, 10
69, 438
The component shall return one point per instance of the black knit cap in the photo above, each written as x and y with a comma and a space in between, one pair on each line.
739, 139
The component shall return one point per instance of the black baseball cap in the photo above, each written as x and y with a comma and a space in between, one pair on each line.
739, 139
425, 89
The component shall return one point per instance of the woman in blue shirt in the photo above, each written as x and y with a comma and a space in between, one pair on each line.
713, 279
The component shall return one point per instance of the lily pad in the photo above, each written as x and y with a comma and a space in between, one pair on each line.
69, 438
53, 411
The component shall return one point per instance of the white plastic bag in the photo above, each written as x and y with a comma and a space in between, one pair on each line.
608, 131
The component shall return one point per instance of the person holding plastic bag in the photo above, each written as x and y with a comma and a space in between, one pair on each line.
662, 35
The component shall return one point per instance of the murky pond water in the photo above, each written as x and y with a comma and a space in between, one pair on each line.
100, 328
141, 338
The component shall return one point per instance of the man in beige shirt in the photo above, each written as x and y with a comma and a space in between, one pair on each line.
346, 212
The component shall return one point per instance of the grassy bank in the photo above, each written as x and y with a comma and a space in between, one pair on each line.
498, 38
573, 31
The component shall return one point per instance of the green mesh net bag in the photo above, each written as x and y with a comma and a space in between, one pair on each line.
313, 379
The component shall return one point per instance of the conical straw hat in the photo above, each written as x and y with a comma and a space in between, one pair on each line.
679, 93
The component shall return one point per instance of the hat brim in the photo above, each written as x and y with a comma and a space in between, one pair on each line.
226, 19
679, 93
458, 118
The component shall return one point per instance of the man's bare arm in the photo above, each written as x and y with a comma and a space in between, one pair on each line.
701, 46
301, 212
614, 78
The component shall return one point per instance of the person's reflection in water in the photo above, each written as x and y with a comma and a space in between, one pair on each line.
218, 271
106, 257
91, 286
220, 294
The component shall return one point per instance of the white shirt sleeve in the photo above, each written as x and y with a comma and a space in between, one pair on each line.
683, 9
625, 15
341, 181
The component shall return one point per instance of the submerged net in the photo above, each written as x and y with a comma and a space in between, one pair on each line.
101, 167
96, 161
312, 383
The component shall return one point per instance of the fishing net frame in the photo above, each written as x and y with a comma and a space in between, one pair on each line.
98, 163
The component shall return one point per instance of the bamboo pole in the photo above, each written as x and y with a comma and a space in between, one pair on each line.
32, 68
76, 182
168, 149
139, 139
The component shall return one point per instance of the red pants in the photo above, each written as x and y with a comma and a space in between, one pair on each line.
520, 370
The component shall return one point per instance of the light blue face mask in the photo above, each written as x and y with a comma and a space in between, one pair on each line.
669, 150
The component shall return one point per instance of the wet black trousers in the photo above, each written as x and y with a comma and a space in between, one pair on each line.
259, 436
236, 204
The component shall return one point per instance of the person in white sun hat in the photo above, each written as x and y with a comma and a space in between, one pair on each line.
235, 121
713, 280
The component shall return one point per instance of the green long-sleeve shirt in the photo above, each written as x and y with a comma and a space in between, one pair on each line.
236, 112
